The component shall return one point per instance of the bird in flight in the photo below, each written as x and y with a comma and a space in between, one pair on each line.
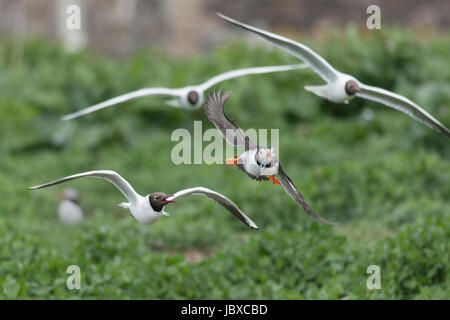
341, 87
259, 163
148, 209
189, 98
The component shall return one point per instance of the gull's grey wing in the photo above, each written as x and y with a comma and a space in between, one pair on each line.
112, 176
242, 72
290, 188
234, 135
166, 92
219, 198
402, 104
315, 61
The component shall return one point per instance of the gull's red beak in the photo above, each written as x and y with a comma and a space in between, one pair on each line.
168, 201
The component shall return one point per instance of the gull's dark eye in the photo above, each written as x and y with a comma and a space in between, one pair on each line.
193, 97
156, 198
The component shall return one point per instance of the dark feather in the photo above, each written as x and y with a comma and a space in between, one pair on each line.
214, 109
257, 178
290, 188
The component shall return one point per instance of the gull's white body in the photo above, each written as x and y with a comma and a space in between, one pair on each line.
69, 212
178, 97
334, 89
142, 211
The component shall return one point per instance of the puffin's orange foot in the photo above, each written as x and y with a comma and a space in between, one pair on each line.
232, 161
273, 179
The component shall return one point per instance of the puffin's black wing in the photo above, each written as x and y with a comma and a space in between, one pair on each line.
228, 129
290, 188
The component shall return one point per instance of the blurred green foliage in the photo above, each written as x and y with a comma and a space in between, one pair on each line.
386, 176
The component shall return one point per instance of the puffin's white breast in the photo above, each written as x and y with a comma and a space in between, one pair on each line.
69, 212
251, 166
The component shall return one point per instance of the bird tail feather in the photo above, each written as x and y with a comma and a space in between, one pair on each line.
321, 90
125, 205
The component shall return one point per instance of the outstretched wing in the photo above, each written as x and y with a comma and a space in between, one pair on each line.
219, 198
402, 104
228, 129
243, 72
314, 60
290, 188
112, 176
165, 92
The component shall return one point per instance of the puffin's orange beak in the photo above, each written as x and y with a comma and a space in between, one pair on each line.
232, 161
168, 201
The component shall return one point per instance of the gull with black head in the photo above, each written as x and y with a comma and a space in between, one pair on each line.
188, 98
148, 209
341, 87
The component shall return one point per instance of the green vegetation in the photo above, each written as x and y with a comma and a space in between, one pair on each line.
387, 178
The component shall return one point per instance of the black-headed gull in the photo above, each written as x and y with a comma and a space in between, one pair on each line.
260, 163
342, 87
190, 97
69, 210
148, 209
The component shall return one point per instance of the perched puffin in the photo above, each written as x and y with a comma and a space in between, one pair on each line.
69, 210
